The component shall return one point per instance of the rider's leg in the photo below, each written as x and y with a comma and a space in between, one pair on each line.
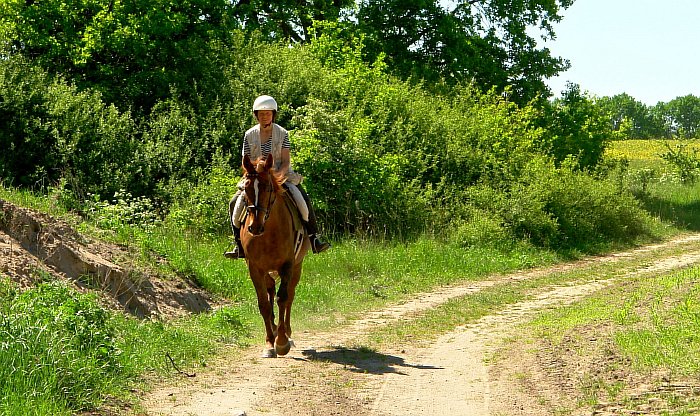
317, 246
235, 207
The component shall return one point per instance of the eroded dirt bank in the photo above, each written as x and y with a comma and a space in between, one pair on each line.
35, 245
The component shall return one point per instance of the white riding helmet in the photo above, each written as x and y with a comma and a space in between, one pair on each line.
265, 102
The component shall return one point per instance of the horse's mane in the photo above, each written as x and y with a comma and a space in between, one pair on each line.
278, 178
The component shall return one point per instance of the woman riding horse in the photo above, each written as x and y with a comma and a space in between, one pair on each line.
268, 137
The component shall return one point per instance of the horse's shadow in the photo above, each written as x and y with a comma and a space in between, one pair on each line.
363, 360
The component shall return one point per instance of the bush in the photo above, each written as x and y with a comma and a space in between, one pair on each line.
575, 129
585, 210
684, 160
203, 207
52, 131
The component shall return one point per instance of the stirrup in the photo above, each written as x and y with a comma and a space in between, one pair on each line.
234, 254
318, 246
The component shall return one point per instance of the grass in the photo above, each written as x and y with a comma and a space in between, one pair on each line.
646, 328
62, 353
653, 318
335, 288
432, 323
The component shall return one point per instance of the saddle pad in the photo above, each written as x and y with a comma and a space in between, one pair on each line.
294, 211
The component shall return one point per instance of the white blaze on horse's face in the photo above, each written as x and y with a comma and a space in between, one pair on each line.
256, 186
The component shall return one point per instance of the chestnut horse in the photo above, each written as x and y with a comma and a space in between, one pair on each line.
268, 238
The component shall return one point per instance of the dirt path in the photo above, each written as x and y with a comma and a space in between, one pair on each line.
454, 375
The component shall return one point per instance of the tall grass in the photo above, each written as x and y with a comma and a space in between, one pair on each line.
62, 353
57, 353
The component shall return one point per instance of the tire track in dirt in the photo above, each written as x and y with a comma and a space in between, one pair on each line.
457, 376
448, 376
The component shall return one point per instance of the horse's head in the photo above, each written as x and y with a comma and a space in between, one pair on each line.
261, 188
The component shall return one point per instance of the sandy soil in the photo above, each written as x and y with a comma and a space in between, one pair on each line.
476, 369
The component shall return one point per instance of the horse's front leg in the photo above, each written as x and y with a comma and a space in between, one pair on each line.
285, 298
271, 300
260, 281
291, 291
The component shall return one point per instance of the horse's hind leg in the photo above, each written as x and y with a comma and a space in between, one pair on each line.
271, 299
291, 291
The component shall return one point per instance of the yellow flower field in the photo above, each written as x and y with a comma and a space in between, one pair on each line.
644, 152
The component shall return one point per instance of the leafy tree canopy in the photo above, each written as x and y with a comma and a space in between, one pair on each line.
632, 118
138, 52
132, 51
486, 41
683, 114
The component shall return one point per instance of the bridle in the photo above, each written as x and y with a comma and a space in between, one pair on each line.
255, 207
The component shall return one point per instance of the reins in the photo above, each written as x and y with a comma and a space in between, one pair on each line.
270, 200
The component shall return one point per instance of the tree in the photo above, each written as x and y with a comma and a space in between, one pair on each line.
575, 128
287, 19
134, 52
683, 116
485, 41
632, 118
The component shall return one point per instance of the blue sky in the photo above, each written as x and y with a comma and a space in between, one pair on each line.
647, 49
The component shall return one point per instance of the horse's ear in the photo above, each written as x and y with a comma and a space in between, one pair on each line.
247, 164
268, 161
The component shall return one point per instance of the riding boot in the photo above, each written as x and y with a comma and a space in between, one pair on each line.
237, 252
317, 246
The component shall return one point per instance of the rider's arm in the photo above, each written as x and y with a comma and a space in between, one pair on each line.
284, 166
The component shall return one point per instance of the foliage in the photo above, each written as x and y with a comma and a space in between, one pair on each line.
685, 160
632, 119
380, 156
485, 42
288, 19
58, 352
131, 51
575, 127
561, 207
678, 118
140, 52
203, 206
52, 131
122, 210
683, 115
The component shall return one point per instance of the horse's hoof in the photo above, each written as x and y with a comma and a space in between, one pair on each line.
283, 349
269, 353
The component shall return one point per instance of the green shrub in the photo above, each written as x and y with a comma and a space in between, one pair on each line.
584, 209
52, 131
575, 129
684, 160
203, 207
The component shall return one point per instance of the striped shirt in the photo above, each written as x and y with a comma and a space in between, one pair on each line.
266, 147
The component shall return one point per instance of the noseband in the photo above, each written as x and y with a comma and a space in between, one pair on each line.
255, 206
